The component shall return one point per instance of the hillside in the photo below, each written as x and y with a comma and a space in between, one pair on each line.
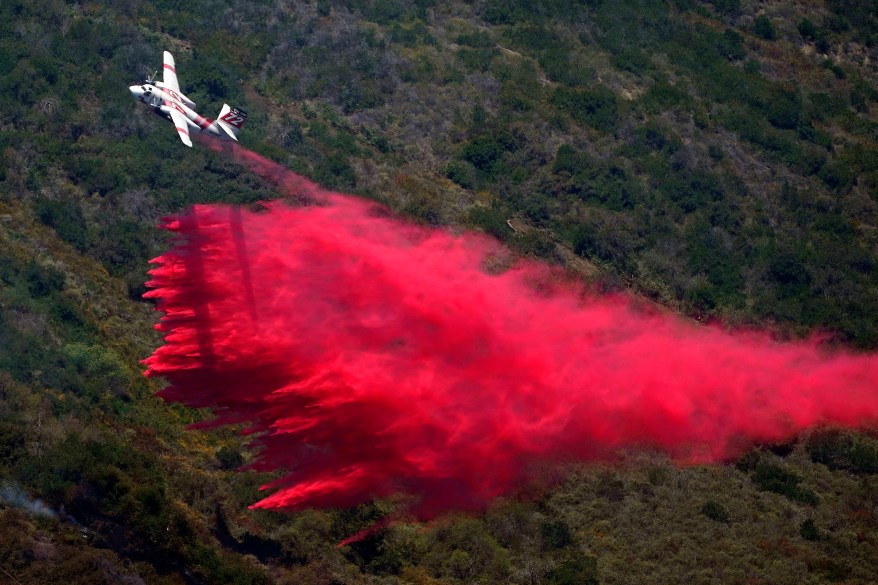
717, 158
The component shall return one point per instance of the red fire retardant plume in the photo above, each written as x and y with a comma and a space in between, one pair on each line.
371, 357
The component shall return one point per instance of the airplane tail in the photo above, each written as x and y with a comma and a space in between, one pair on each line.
231, 120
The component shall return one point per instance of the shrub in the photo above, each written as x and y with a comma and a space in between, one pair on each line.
731, 45
336, 172
460, 173
229, 457
808, 30
66, 218
608, 185
476, 59
763, 28
596, 107
783, 110
476, 40
43, 280
560, 67
633, 60
534, 38
727, 7
385, 11
836, 69
576, 570
662, 95
715, 511
556, 534
690, 190
569, 160
838, 449
512, 11
486, 152
809, 530
491, 219
836, 175
774, 478
536, 242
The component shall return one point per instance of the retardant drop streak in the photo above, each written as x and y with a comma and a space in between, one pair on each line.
369, 357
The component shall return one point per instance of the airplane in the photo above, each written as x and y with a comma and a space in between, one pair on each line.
166, 100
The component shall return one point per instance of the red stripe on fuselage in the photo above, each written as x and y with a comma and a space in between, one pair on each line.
203, 122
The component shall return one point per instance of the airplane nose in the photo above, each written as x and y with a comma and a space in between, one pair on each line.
135, 91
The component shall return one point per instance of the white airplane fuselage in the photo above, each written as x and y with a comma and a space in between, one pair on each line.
163, 100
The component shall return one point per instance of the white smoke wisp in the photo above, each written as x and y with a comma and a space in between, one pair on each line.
12, 495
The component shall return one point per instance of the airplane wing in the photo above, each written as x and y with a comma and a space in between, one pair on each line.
170, 73
182, 127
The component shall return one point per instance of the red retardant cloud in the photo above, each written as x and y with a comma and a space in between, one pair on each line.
369, 357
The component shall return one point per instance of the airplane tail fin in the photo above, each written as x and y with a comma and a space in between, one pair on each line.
231, 120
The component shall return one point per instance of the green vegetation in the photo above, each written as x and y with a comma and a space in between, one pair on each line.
717, 157
715, 511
